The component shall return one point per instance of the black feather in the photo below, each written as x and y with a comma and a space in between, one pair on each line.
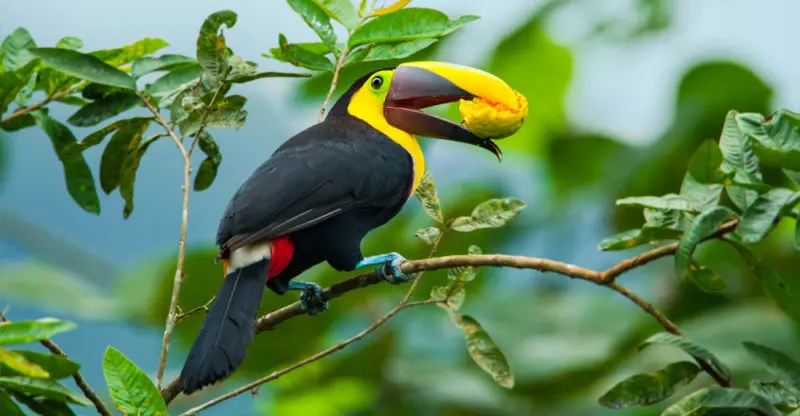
227, 330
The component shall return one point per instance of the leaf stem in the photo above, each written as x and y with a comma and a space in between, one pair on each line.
334, 80
322, 354
101, 407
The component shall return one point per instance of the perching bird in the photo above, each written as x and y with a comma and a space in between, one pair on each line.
321, 192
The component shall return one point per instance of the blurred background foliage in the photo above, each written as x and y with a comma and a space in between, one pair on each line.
567, 342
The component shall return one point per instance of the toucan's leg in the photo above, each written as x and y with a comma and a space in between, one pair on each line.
390, 267
311, 298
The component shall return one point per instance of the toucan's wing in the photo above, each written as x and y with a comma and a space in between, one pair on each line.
323, 171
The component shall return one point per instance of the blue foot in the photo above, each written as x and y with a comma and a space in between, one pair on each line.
390, 267
311, 298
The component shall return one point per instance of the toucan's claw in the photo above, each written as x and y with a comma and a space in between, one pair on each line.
311, 300
390, 267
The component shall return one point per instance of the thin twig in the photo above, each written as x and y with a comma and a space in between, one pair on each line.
322, 354
335, 79
203, 307
25, 110
176, 285
670, 327
612, 273
434, 250
79, 380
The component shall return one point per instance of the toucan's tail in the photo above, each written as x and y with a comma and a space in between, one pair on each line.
228, 329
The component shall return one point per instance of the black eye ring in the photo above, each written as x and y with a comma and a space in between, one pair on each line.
376, 83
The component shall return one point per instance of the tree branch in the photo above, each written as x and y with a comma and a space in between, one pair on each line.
335, 79
670, 327
79, 380
607, 277
322, 354
25, 110
176, 285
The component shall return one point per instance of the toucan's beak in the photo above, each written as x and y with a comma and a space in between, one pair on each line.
418, 85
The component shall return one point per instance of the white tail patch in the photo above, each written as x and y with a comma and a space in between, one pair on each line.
247, 255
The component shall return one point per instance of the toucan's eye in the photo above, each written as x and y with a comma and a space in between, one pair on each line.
377, 82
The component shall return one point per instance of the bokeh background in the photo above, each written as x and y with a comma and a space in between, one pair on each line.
621, 92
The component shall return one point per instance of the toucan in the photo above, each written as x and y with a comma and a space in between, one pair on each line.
322, 191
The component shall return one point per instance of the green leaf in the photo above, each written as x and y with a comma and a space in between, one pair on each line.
129, 53
797, 234
690, 348
127, 137
302, 57
428, 235
453, 294
43, 387
44, 406
269, 74
8, 407
406, 24
459, 22
18, 123
771, 281
149, 64
739, 158
212, 52
69, 42
706, 279
721, 397
227, 112
19, 364
84, 66
97, 137
55, 365
208, 168
317, 19
15, 49
704, 196
132, 391
21, 332
704, 225
12, 82
387, 51
647, 389
177, 79
777, 392
485, 352
493, 213
777, 363
103, 109
428, 196
759, 217
637, 237
72, 100
666, 202
465, 274
130, 166
342, 11
80, 182
776, 141
26, 92
706, 163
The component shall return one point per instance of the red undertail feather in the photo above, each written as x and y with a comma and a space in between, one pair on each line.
282, 252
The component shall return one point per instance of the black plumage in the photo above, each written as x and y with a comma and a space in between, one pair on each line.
325, 188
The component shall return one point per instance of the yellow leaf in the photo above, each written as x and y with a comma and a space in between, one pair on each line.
399, 4
18, 363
